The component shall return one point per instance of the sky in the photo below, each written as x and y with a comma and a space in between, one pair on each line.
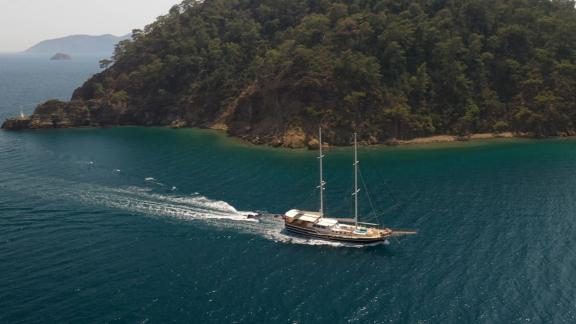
23, 23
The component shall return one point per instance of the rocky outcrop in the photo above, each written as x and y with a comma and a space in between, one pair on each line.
18, 123
52, 114
58, 114
260, 115
257, 115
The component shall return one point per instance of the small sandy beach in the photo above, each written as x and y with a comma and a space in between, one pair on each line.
452, 138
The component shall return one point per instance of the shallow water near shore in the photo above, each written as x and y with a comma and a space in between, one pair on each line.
150, 225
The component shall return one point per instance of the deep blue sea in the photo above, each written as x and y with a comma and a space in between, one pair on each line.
148, 225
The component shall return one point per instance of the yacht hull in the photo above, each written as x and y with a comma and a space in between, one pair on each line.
309, 232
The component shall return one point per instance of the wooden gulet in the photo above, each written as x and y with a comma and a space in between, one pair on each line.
317, 225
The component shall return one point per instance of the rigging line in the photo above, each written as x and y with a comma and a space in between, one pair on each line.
376, 211
367, 192
349, 201
325, 200
390, 192
312, 194
387, 210
392, 195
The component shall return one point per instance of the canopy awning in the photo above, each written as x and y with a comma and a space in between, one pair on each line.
328, 222
308, 218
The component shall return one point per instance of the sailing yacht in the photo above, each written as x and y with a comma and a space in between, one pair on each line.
349, 230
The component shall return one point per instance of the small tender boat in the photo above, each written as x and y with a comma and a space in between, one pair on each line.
348, 230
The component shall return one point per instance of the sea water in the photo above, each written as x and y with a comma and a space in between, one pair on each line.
150, 225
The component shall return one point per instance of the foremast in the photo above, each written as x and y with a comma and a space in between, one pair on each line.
322, 185
356, 190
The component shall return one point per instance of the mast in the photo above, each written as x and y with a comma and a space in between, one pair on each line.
322, 182
356, 190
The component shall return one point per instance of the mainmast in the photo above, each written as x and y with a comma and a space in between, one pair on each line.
356, 190
322, 182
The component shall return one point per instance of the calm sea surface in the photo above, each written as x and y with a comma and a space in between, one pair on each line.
148, 225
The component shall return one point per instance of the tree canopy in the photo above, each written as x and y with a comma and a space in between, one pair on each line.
390, 68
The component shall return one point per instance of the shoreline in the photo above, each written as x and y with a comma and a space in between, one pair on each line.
436, 139
424, 141
453, 138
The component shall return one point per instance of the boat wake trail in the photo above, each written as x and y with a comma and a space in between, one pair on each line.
200, 208
143, 200
146, 201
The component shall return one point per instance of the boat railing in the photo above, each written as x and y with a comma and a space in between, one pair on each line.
369, 224
353, 221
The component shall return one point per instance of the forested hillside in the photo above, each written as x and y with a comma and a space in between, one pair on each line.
272, 70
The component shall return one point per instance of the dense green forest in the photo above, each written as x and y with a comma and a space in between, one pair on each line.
388, 68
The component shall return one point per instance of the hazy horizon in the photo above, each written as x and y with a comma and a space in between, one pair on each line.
25, 23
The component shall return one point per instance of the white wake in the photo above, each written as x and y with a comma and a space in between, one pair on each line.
144, 201
196, 207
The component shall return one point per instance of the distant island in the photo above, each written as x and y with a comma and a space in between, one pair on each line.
78, 44
271, 72
61, 57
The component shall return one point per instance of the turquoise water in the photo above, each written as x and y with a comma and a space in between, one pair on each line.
149, 225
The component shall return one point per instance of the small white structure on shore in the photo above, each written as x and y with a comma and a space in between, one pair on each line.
22, 114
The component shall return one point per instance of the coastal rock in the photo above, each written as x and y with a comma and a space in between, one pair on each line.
392, 142
53, 114
294, 138
178, 123
59, 114
313, 144
16, 123
79, 113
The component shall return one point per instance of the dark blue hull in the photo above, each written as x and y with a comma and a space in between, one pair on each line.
312, 233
